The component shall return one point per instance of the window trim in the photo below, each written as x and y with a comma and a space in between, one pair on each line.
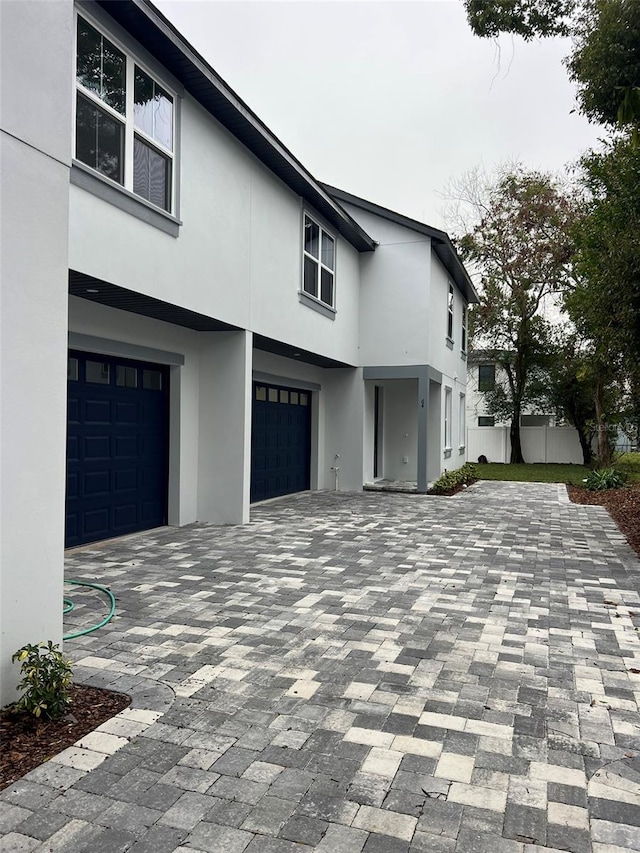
310, 299
450, 312
464, 343
133, 58
448, 416
462, 422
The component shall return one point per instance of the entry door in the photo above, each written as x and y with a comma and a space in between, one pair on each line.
280, 441
117, 447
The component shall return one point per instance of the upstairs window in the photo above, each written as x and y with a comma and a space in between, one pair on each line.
450, 313
319, 257
486, 377
124, 119
465, 328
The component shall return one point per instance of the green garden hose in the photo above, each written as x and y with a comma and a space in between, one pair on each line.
69, 605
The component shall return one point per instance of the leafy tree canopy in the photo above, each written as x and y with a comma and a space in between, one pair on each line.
526, 18
605, 304
605, 60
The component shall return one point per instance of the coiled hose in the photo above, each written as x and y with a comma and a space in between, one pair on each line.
69, 606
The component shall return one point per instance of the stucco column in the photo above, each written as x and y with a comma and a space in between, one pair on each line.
35, 156
423, 412
224, 431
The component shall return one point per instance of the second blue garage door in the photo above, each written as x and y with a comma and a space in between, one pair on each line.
117, 447
280, 441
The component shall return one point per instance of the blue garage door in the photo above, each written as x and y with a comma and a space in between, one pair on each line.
280, 441
117, 447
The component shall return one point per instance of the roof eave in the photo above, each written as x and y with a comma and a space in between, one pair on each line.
164, 42
442, 244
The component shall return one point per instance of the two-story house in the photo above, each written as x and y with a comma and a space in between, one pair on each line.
191, 322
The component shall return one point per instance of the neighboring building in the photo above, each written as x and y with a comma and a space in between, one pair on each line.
220, 327
482, 375
543, 438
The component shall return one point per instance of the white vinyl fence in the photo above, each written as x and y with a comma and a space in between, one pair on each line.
539, 444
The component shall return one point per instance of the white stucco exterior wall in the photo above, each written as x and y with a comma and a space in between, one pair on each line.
224, 434
395, 312
34, 163
238, 256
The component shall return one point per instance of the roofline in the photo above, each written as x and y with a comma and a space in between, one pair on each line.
203, 83
444, 248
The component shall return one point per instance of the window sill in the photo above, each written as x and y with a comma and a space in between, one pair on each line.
461, 449
95, 183
447, 453
449, 342
316, 305
463, 354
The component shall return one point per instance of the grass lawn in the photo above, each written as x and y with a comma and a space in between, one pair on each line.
538, 472
552, 473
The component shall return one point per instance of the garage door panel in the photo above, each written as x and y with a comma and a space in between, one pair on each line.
280, 442
72, 484
125, 479
96, 447
149, 510
96, 521
96, 483
73, 410
126, 447
73, 448
126, 413
117, 448
97, 412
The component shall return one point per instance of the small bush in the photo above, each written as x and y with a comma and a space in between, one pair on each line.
605, 478
46, 679
450, 480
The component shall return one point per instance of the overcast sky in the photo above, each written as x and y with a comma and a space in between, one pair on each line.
390, 100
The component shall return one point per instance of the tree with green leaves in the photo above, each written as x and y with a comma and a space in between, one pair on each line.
605, 60
520, 249
604, 304
570, 390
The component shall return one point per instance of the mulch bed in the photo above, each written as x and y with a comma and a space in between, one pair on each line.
623, 505
28, 741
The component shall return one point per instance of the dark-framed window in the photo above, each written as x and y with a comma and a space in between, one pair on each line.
486, 377
319, 262
125, 119
486, 421
464, 328
450, 312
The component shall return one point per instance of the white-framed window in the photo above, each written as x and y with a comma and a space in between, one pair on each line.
447, 418
450, 312
465, 328
124, 118
486, 421
462, 422
319, 262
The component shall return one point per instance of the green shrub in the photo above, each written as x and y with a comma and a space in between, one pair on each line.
605, 478
46, 679
452, 479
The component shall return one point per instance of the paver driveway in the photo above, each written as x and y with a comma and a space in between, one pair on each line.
358, 672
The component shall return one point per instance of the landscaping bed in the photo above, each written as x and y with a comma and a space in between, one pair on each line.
623, 506
28, 741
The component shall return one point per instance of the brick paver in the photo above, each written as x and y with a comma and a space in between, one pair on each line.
357, 672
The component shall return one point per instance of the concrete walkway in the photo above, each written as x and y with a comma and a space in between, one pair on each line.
357, 673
